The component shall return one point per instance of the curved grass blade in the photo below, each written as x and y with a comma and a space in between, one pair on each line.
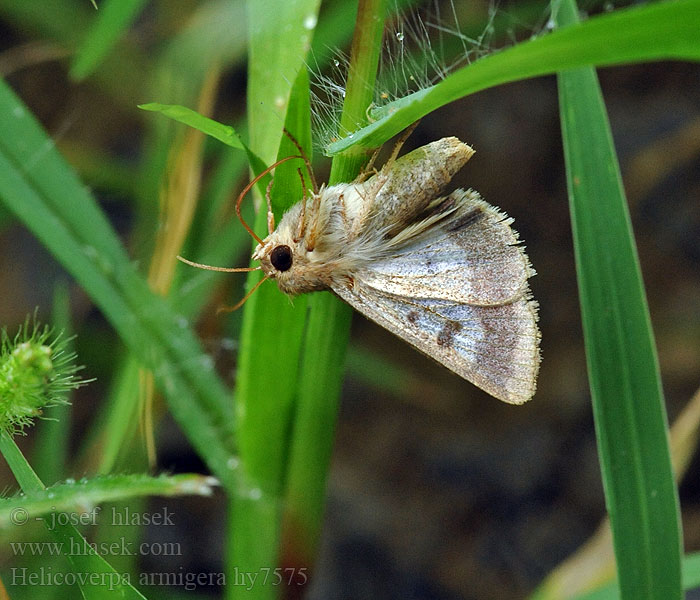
628, 406
663, 30
71, 496
224, 133
97, 579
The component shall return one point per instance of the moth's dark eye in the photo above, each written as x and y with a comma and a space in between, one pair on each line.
281, 258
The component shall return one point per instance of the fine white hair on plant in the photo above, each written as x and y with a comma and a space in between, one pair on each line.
419, 49
327, 97
422, 47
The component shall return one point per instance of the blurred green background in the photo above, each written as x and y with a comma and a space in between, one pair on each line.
436, 490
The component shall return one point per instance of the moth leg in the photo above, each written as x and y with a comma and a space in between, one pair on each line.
368, 169
270, 214
399, 144
305, 158
302, 220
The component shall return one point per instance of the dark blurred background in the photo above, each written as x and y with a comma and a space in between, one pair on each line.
436, 489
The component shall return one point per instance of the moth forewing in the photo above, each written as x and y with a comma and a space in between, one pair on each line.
445, 274
464, 302
464, 251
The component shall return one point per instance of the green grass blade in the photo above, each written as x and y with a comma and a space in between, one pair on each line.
320, 381
658, 31
271, 338
271, 342
328, 329
628, 406
42, 191
72, 497
691, 571
95, 576
271, 335
115, 434
280, 36
113, 19
224, 133
53, 439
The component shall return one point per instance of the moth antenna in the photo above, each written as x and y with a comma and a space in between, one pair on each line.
305, 158
241, 302
270, 214
222, 269
247, 188
302, 221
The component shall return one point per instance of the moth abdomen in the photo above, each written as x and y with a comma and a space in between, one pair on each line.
405, 188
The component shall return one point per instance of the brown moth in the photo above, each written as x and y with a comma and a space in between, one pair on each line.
444, 273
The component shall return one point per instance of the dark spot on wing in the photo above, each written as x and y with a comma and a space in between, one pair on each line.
446, 335
469, 217
446, 205
413, 317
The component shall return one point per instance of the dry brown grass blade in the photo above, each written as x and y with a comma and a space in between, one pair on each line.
178, 201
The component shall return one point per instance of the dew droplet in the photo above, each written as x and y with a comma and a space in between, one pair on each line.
399, 36
336, 62
310, 21
228, 343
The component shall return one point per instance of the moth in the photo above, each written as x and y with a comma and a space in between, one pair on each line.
446, 273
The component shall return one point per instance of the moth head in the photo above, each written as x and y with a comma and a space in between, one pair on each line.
290, 259
279, 258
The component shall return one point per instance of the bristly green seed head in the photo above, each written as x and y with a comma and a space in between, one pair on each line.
36, 371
